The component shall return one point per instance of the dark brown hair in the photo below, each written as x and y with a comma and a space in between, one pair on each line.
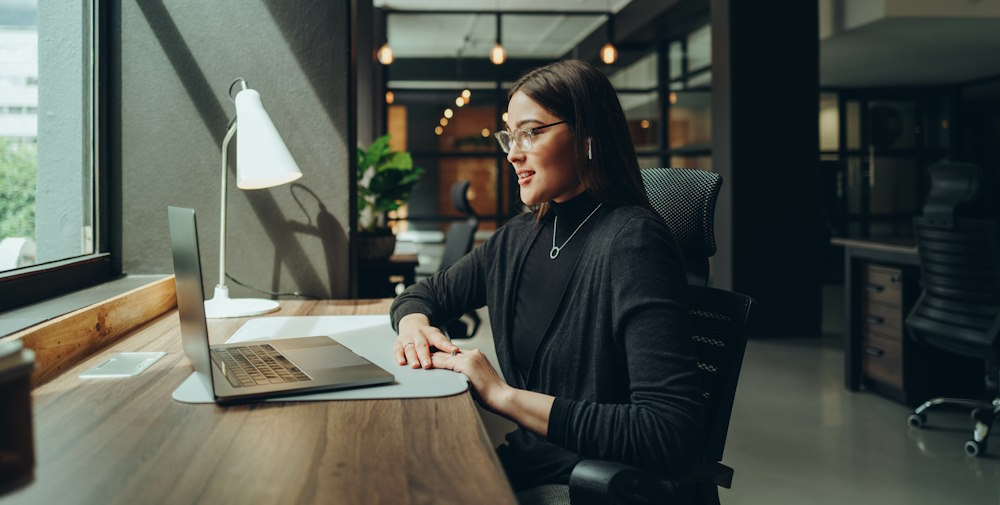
577, 92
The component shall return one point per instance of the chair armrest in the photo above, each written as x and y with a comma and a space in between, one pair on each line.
596, 481
710, 473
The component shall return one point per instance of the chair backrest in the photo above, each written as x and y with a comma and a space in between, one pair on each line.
461, 235
959, 307
685, 199
719, 319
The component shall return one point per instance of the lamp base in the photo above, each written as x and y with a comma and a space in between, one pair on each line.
222, 306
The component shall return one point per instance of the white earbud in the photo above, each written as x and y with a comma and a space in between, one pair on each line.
590, 155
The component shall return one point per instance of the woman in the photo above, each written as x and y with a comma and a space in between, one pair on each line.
586, 297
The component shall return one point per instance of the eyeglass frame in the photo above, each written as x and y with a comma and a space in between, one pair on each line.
530, 132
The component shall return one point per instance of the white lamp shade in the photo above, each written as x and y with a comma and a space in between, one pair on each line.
262, 159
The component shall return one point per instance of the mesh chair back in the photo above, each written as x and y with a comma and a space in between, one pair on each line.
959, 308
719, 319
685, 199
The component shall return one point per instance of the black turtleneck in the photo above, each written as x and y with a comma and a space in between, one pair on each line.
543, 279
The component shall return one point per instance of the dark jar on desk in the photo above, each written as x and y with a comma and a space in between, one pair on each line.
17, 451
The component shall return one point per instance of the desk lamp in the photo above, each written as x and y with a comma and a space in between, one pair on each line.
262, 161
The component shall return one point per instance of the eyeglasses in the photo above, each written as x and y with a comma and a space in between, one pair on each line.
521, 138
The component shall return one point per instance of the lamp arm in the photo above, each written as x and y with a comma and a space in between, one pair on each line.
222, 210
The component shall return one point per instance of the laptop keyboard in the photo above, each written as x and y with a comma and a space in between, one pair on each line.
256, 365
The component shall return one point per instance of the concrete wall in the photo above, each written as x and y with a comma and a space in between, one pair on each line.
173, 63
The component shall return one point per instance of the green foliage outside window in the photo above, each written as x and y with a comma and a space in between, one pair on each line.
18, 162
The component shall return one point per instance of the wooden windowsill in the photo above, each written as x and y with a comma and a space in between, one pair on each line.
61, 342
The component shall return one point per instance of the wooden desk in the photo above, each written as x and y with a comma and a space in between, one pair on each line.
881, 285
127, 441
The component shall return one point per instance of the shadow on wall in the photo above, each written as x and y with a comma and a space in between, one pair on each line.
326, 228
279, 230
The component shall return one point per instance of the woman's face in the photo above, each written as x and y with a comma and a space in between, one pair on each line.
546, 172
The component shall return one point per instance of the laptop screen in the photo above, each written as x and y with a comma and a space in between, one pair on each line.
190, 298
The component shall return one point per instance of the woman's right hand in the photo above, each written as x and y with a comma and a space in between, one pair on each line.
416, 337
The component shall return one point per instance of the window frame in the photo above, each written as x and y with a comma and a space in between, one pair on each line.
28, 285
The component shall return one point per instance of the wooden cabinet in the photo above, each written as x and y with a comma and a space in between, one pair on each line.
882, 283
881, 324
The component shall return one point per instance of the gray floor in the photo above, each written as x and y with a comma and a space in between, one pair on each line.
798, 437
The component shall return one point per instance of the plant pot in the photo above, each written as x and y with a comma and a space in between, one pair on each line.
376, 246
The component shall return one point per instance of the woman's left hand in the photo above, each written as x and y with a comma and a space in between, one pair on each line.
485, 380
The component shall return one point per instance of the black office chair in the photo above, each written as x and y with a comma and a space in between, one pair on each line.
457, 243
685, 199
959, 308
719, 319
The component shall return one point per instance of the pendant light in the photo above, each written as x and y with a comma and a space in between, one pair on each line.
497, 54
609, 54
384, 54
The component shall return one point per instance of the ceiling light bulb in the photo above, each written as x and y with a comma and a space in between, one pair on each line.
609, 54
448, 113
438, 130
459, 102
485, 133
673, 98
644, 124
504, 117
444, 121
384, 54
498, 55
466, 94
390, 97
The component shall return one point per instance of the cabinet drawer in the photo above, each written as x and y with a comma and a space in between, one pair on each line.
884, 319
882, 285
882, 360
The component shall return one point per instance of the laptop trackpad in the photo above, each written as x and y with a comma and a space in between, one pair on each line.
327, 356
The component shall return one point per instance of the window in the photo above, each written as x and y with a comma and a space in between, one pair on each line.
50, 225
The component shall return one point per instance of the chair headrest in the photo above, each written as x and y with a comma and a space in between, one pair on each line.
460, 197
953, 187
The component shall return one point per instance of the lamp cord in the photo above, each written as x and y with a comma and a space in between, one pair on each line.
273, 293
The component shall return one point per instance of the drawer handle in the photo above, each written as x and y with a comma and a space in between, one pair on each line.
874, 319
874, 288
874, 351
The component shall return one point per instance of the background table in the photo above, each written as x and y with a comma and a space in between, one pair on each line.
127, 441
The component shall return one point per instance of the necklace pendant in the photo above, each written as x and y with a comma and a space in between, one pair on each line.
553, 252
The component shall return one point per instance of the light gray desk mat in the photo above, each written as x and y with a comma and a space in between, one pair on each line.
369, 336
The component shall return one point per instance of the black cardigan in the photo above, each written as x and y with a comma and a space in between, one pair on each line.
618, 356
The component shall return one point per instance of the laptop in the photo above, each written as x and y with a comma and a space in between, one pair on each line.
256, 369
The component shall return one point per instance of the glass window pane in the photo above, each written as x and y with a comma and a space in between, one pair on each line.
829, 122
432, 120
690, 118
649, 161
641, 74
938, 123
46, 162
641, 112
676, 57
699, 162
892, 125
853, 126
700, 79
699, 48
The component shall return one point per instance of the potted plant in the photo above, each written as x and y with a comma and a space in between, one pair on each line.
385, 179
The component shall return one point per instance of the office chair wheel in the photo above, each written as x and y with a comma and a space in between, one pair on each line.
975, 449
916, 420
